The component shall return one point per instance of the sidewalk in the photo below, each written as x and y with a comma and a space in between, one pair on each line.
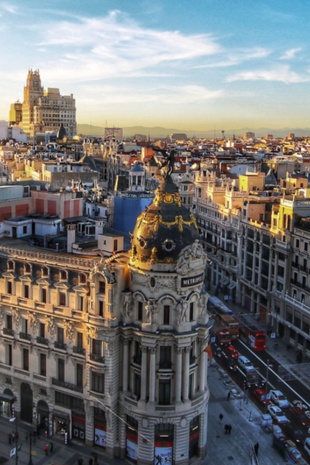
245, 418
68, 454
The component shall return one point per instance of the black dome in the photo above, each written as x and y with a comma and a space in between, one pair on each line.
164, 228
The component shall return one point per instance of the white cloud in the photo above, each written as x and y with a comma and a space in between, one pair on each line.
280, 74
8, 8
290, 54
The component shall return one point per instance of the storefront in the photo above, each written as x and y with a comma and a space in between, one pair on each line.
163, 451
61, 423
6, 403
100, 428
78, 426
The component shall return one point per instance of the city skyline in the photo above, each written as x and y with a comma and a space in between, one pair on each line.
211, 66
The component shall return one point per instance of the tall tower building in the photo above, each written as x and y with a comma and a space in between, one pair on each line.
45, 110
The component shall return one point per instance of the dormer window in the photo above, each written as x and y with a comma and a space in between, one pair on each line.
63, 275
11, 265
45, 272
82, 278
27, 268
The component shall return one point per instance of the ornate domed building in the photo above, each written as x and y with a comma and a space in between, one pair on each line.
164, 334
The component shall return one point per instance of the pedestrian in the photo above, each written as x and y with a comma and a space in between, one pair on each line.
256, 447
95, 458
229, 428
46, 449
13, 436
226, 429
90, 461
51, 447
10, 438
228, 395
221, 416
80, 462
26, 437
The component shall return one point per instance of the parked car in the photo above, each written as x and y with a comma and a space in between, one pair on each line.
260, 395
300, 416
279, 399
245, 364
295, 434
276, 413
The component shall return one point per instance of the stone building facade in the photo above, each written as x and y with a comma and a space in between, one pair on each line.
112, 351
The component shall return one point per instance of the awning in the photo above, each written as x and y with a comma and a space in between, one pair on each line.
57, 414
7, 398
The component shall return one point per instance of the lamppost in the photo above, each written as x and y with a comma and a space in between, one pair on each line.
16, 439
267, 379
30, 449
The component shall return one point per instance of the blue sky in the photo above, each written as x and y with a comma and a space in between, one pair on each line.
194, 64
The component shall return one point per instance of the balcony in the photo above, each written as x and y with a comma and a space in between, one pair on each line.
42, 340
60, 345
66, 385
97, 358
79, 350
8, 332
25, 336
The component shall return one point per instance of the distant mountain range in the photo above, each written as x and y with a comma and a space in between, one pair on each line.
89, 130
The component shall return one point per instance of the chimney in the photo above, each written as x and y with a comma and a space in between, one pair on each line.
70, 237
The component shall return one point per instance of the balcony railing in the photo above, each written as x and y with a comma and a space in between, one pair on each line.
26, 336
60, 345
96, 358
8, 332
42, 340
66, 385
79, 350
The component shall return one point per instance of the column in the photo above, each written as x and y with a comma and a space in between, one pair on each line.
152, 374
186, 374
143, 373
202, 369
125, 365
178, 374
131, 376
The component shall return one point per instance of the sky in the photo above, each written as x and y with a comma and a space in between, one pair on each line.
186, 64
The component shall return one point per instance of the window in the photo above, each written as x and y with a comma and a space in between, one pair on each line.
97, 347
27, 268
191, 311
165, 357
62, 299
61, 369
45, 272
97, 382
101, 287
80, 302
79, 340
10, 265
26, 291
140, 311
79, 375
42, 364
60, 335
166, 315
138, 353
100, 310
42, 330
43, 295
82, 278
9, 287
63, 275
9, 322
25, 361
164, 392
8, 354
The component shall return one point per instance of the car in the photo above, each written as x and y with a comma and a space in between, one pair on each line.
295, 434
278, 398
276, 413
300, 416
245, 364
260, 395
231, 352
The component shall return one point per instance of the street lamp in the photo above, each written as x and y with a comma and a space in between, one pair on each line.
30, 447
267, 378
16, 439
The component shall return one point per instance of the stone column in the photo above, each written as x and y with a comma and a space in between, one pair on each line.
152, 374
186, 373
143, 373
178, 374
202, 370
131, 376
125, 365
